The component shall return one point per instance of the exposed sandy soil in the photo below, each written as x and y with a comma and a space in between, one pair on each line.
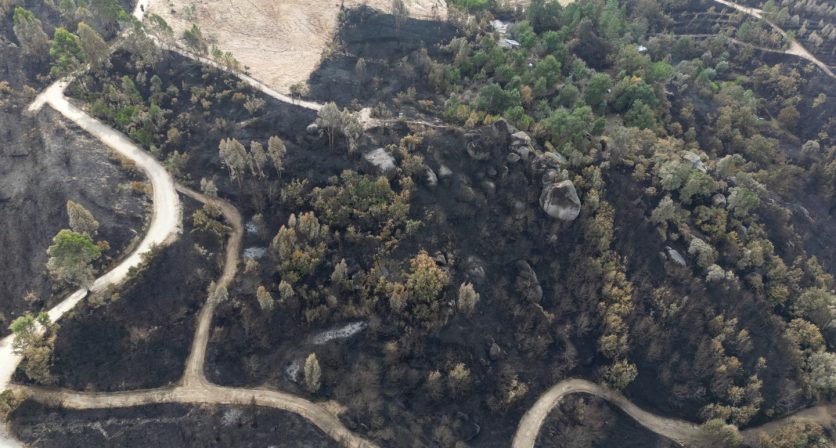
280, 42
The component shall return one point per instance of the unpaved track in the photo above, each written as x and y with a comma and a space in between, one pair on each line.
193, 374
165, 217
681, 432
796, 49
684, 433
256, 84
194, 388
204, 394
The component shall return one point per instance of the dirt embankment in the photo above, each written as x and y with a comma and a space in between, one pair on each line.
44, 162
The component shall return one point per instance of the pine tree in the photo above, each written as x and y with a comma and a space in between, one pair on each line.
313, 374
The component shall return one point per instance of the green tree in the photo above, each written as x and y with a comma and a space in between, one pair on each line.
313, 373
81, 220
107, 14
276, 150
34, 341
492, 98
66, 53
741, 201
418, 299
566, 126
544, 15
468, 298
612, 20
265, 299
195, 41
330, 119
340, 275
360, 70
71, 256
257, 159
706, 255
597, 91
822, 373
722, 434
29, 32
549, 69
641, 116
620, 374
699, 184
817, 305
234, 156
94, 47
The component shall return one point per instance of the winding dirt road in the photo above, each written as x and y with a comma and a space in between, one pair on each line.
193, 375
684, 433
681, 432
796, 49
165, 217
193, 387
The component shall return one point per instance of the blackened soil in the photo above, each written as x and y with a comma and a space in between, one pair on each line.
165, 426
581, 421
142, 338
392, 55
44, 162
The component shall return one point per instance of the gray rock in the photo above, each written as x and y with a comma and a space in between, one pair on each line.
489, 187
465, 193
695, 161
675, 256
440, 259
255, 253
380, 159
551, 177
432, 179
561, 201
502, 127
522, 137
312, 129
522, 151
549, 160
527, 283
474, 267
477, 151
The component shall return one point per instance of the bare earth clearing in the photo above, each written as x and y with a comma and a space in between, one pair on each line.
280, 42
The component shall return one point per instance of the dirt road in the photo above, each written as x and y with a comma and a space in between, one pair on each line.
193, 375
205, 394
682, 432
165, 217
194, 388
796, 49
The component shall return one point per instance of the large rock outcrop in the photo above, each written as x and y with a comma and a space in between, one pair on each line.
560, 200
